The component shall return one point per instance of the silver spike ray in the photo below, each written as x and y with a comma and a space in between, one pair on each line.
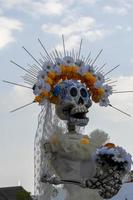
22, 107
9, 82
119, 110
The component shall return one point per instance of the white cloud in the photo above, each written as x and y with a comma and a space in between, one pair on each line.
74, 29
42, 7
123, 28
9, 4
82, 24
115, 10
48, 8
7, 26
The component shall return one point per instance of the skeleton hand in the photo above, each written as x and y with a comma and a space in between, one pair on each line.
50, 179
113, 164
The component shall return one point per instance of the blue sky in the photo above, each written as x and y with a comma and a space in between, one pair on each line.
103, 24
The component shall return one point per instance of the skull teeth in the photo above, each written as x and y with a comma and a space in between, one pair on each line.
79, 110
79, 121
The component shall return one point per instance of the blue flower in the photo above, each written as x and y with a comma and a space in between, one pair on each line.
57, 90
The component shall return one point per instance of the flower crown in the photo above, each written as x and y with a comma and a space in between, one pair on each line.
67, 68
45, 76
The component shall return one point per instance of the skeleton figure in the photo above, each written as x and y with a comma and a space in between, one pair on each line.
75, 159
65, 86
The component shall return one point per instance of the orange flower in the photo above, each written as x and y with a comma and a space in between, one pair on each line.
63, 69
49, 81
97, 94
44, 94
89, 79
84, 140
52, 75
110, 145
54, 100
38, 99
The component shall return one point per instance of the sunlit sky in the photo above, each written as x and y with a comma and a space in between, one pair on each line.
103, 24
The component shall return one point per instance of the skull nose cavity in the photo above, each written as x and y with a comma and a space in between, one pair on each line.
80, 101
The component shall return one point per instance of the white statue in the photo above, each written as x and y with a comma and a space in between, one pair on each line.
87, 166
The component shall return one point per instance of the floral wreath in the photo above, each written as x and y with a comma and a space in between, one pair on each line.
45, 76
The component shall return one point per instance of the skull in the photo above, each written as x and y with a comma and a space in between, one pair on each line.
74, 102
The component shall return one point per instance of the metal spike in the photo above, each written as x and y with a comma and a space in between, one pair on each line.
43, 57
33, 68
108, 79
22, 107
88, 57
97, 57
80, 48
44, 49
29, 77
130, 91
73, 54
101, 67
9, 82
60, 54
57, 53
63, 41
29, 83
111, 70
112, 82
120, 110
36, 67
31, 56
22, 68
54, 54
52, 57
41, 61
28, 80
89, 60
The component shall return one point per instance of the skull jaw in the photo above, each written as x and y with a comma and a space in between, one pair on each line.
75, 114
79, 122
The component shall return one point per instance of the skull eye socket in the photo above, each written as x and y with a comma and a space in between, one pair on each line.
73, 92
83, 92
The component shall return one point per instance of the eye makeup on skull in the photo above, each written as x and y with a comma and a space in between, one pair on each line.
73, 92
83, 92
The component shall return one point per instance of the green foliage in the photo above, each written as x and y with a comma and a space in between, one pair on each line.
23, 195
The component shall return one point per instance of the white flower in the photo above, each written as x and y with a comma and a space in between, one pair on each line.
47, 66
47, 87
108, 90
41, 74
104, 102
100, 79
36, 90
91, 69
79, 62
86, 68
68, 60
56, 69
59, 61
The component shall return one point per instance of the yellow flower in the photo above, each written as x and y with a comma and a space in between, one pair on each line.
38, 99
44, 94
89, 79
52, 75
97, 94
84, 140
49, 81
